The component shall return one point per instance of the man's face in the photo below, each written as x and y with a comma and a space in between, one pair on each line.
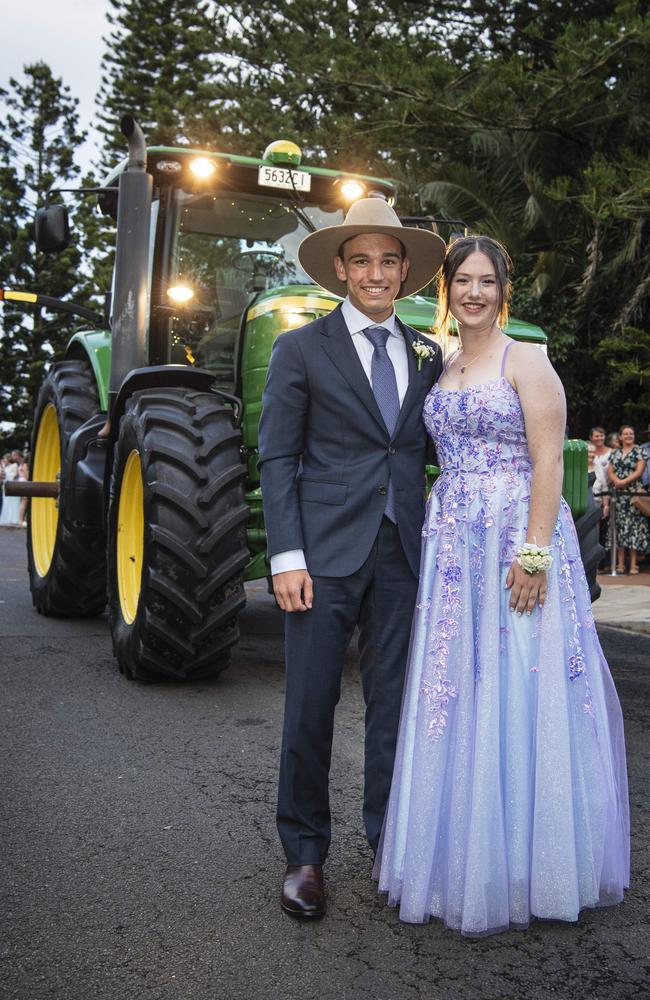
373, 269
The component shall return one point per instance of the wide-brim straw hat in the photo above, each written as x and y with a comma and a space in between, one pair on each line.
424, 249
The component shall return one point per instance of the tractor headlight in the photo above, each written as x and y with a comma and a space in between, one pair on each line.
352, 190
202, 168
292, 319
180, 294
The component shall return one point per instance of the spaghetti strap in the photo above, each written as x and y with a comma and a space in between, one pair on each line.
503, 358
447, 363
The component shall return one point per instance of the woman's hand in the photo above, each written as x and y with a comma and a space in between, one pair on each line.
526, 589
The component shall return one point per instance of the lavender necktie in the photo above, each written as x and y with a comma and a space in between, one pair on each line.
384, 387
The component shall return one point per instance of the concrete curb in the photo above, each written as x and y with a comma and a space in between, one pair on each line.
637, 628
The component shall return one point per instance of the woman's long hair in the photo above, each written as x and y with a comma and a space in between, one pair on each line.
457, 251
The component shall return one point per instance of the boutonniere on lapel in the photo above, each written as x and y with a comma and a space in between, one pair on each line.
423, 352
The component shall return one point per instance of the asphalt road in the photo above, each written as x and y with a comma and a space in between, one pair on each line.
138, 849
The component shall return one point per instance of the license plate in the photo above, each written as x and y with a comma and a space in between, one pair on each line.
279, 177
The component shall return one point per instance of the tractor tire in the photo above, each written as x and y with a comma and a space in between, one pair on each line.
176, 536
591, 551
67, 562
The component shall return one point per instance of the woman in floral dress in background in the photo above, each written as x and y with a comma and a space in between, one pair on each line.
509, 793
626, 467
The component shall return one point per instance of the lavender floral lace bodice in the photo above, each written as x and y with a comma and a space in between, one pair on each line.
485, 465
479, 429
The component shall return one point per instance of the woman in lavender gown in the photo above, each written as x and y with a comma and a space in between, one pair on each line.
509, 794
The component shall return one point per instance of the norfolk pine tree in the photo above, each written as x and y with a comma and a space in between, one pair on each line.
37, 153
539, 109
156, 66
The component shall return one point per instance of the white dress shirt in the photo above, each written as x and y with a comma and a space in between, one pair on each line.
357, 322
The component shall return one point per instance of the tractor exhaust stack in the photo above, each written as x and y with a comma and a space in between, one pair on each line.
129, 323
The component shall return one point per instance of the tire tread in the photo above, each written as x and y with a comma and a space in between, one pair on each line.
195, 538
75, 584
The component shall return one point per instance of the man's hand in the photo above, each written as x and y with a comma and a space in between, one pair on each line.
293, 590
526, 589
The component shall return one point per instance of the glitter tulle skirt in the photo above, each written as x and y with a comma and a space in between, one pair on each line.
509, 793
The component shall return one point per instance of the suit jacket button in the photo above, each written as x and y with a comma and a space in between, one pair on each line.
391, 450
382, 491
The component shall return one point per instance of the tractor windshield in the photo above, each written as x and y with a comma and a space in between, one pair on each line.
229, 242
229, 247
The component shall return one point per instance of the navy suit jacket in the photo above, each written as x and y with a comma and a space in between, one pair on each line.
326, 454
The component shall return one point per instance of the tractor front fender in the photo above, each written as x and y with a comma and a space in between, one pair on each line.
158, 377
155, 377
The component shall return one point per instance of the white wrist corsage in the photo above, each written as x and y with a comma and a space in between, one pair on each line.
534, 558
423, 352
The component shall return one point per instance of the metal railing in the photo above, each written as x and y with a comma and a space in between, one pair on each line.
613, 553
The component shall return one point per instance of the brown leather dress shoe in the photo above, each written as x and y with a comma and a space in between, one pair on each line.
303, 891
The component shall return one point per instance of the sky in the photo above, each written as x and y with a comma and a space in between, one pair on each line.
66, 34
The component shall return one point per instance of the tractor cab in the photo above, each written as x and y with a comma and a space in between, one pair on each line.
225, 231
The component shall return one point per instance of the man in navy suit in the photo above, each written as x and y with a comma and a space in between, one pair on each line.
342, 462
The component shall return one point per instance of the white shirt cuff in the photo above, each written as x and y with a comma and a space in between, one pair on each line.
284, 562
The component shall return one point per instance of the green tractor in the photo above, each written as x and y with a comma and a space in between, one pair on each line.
145, 491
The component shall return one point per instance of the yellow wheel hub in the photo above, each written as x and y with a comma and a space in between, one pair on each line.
130, 537
44, 513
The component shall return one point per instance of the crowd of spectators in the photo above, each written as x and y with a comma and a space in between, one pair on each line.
620, 487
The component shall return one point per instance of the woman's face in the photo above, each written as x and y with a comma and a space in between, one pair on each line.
474, 293
598, 438
626, 437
